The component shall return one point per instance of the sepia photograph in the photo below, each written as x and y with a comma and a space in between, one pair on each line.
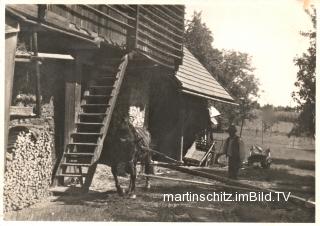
186, 111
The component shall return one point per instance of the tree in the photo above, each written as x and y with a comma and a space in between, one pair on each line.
198, 39
232, 69
236, 75
305, 96
268, 117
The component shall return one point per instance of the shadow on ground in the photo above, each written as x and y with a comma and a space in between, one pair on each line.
298, 164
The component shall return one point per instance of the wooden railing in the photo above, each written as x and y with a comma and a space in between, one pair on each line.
155, 31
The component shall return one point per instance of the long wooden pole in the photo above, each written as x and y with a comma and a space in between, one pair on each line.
37, 73
161, 154
232, 182
196, 182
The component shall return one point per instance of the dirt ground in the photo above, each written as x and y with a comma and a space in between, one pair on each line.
292, 170
103, 204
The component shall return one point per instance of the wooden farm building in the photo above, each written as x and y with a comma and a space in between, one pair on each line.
72, 67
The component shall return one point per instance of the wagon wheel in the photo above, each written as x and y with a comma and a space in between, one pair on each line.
209, 159
265, 164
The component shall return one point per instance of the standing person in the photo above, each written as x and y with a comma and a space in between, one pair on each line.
232, 149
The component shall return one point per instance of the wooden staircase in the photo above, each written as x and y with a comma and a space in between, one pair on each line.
79, 160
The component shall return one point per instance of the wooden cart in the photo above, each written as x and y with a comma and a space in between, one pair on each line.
200, 153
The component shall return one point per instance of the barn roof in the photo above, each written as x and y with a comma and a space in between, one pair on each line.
196, 80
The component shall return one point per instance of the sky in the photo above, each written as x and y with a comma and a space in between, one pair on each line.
269, 31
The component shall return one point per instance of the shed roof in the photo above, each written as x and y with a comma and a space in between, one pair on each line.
196, 80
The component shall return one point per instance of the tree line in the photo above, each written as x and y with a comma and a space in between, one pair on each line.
234, 71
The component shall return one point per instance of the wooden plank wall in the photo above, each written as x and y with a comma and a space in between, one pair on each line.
160, 32
156, 31
110, 22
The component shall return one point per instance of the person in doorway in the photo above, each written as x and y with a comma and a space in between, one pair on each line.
232, 150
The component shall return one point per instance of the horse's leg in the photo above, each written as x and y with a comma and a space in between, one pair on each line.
148, 169
130, 171
114, 171
133, 175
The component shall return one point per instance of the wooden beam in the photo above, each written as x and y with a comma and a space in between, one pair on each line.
119, 12
161, 154
161, 27
177, 31
231, 182
118, 22
184, 91
182, 118
11, 39
26, 57
220, 186
137, 27
37, 73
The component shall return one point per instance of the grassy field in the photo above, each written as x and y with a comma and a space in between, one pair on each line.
293, 159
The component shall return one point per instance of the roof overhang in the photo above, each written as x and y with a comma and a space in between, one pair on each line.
196, 80
185, 91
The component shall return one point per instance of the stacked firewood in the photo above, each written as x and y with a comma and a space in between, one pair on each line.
28, 170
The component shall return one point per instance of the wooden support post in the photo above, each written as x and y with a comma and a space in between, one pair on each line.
133, 33
11, 38
182, 119
242, 122
137, 27
37, 73
147, 105
261, 131
72, 99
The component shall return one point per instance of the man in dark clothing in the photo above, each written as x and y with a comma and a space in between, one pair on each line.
231, 149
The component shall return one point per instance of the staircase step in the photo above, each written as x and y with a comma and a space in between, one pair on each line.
100, 90
89, 127
71, 175
75, 164
95, 108
86, 141
96, 96
80, 153
107, 77
84, 144
92, 114
92, 117
94, 105
101, 87
89, 123
109, 68
86, 137
86, 134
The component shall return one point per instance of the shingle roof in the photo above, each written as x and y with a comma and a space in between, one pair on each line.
196, 79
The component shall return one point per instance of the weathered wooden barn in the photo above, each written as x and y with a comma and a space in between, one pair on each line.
89, 61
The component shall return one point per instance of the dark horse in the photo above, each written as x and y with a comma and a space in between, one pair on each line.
126, 147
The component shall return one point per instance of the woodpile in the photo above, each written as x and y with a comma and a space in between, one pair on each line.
28, 170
